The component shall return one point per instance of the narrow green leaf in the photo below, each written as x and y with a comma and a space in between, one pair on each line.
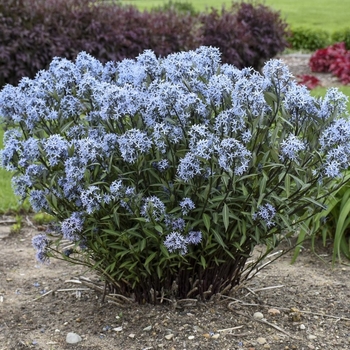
218, 238
203, 262
225, 216
206, 220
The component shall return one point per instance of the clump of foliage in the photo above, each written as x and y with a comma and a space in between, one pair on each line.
331, 225
165, 173
334, 59
310, 81
246, 34
342, 36
180, 6
308, 39
32, 32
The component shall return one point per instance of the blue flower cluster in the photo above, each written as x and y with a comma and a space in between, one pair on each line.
142, 137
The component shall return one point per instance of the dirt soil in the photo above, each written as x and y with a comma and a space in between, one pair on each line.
301, 306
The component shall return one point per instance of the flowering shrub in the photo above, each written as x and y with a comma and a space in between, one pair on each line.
164, 174
334, 59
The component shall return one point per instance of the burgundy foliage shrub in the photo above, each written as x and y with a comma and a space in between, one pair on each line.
32, 32
246, 34
310, 81
334, 59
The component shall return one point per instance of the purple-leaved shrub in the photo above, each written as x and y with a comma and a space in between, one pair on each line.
165, 173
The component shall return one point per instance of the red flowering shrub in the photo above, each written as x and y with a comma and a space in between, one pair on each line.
333, 59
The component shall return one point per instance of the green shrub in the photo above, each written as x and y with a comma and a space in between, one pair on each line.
331, 224
185, 7
342, 36
166, 173
308, 39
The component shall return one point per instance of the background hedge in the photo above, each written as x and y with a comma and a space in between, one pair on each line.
32, 32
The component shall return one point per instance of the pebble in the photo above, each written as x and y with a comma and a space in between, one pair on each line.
215, 336
274, 312
311, 337
169, 336
258, 315
302, 327
132, 335
191, 337
147, 329
261, 341
118, 329
73, 338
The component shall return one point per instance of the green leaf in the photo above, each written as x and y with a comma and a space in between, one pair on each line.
219, 238
206, 221
148, 260
203, 262
225, 216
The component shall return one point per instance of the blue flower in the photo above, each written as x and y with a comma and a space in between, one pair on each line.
290, 147
266, 213
176, 242
194, 237
187, 205
56, 148
38, 201
73, 226
40, 244
189, 167
153, 209
132, 143
91, 199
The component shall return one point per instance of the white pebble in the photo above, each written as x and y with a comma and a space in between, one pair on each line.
169, 336
311, 337
302, 327
147, 329
258, 315
73, 338
118, 329
191, 337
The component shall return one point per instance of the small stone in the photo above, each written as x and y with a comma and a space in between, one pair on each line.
258, 315
169, 336
261, 341
274, 312
311, 337
191, 337
57, 331
147, 329
118, 329
73, 338
131, 335
215, 336
302, 327
267, 346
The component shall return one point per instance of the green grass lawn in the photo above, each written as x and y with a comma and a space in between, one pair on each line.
7, 199
315, 14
